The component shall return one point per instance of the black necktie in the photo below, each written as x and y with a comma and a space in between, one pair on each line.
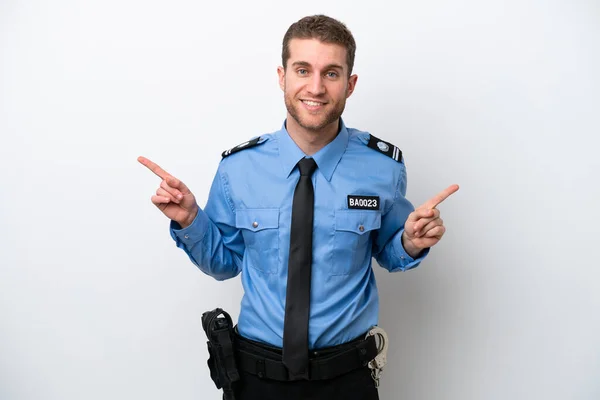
297, 300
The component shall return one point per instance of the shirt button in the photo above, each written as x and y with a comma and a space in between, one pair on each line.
361, 228
186, 236
255, 224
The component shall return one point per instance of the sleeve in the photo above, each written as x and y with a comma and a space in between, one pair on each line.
387, 246
212, 241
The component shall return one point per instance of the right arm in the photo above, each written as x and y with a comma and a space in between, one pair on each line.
209, 237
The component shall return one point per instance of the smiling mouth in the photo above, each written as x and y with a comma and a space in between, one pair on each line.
312, 103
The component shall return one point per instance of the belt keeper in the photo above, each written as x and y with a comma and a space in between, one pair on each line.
362, 353
260, 368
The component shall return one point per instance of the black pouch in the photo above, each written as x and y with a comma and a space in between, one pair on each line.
218, 327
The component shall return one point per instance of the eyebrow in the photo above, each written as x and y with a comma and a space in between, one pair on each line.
306, 64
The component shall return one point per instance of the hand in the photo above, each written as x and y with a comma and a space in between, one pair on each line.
424, 227
173, 198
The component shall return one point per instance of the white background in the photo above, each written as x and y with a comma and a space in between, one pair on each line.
501, 97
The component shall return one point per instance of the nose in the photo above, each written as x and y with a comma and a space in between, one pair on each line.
316, 85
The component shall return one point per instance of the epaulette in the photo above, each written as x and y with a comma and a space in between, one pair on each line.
386, 148
243, 146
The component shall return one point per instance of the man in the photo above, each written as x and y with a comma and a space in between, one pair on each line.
301, 213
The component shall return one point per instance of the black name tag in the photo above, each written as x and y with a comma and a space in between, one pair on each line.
363, 202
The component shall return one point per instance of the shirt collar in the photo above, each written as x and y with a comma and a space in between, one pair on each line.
327, 158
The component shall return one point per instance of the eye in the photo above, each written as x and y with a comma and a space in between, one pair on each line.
332, 74
302, 71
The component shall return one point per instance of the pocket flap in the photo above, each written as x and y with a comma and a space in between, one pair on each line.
257, 219
358, 222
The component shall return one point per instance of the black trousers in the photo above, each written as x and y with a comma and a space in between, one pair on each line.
354, 385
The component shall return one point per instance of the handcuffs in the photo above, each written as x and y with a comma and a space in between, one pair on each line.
381, 341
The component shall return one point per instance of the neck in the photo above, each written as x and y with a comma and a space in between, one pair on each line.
311, 141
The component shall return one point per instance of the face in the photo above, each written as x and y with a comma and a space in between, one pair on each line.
315, 83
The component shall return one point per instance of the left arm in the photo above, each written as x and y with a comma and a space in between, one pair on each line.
406, 234
388, 249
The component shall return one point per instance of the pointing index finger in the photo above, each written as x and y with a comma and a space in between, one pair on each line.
161, 173
441, 196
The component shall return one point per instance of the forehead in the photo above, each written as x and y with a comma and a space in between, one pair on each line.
316, 53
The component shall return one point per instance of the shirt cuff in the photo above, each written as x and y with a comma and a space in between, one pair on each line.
193, 233
405, 260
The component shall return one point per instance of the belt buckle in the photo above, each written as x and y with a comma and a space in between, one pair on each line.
381, 341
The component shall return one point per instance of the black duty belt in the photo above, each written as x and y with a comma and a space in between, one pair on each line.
265, 361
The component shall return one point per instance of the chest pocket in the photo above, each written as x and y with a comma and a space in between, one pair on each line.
260, 229
352, 239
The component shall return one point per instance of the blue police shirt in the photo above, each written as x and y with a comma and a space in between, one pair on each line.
245, 227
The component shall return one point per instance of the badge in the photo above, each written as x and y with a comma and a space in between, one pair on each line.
356, 202
383, 146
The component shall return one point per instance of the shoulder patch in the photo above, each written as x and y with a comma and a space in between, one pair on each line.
239, 147
386, 148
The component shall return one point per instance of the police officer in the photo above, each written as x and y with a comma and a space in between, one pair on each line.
300, 213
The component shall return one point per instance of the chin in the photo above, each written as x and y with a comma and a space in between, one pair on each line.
311, 121
313, 125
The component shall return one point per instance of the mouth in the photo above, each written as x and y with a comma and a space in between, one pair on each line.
313, 105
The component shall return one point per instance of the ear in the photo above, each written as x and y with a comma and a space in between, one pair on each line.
281, 73
351, 85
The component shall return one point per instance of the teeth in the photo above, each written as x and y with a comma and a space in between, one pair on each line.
312, 103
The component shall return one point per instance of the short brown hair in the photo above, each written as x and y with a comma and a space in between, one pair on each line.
324, 28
